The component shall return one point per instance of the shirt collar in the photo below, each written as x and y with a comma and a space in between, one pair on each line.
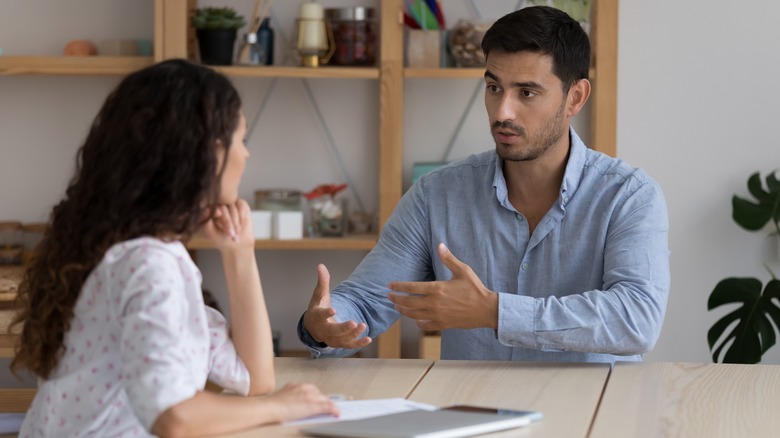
571, 176
574, 167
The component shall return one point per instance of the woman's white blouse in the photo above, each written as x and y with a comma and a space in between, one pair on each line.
141, 340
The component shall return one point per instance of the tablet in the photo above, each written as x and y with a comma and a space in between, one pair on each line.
451, 422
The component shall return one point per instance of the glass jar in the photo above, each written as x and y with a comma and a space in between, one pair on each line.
328, 217
278, 200
354, 34
11, 248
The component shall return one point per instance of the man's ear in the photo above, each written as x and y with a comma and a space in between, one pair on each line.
578, 95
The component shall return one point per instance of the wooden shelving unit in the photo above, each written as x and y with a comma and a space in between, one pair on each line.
173, 40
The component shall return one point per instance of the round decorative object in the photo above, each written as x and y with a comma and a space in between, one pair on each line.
80, 48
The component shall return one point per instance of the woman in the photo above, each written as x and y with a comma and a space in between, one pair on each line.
114, 322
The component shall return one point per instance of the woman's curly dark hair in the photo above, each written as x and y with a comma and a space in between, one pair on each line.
148, 167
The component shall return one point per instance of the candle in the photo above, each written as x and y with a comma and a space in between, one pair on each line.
311, 32
311, 10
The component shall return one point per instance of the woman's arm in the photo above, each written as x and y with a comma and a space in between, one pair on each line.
231, 232
209, 413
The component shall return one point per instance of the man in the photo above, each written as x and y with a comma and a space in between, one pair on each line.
554, 252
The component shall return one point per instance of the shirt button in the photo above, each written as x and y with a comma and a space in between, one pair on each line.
525, 266
565, 199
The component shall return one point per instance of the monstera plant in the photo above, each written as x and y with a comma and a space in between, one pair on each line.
756, 312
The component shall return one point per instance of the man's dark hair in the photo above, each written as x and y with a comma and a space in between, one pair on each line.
547, 31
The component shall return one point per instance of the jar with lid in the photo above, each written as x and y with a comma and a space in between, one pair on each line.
11, 248
355, 35
278, 200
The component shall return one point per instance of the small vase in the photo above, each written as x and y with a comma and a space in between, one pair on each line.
216, 46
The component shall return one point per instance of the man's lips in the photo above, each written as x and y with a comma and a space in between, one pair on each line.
505, 136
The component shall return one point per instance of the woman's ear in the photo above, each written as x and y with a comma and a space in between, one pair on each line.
578, 95
220, 154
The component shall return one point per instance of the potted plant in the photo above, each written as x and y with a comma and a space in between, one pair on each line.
216, 29
754, 332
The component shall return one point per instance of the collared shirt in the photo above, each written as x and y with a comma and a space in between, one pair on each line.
140, 341
589, 285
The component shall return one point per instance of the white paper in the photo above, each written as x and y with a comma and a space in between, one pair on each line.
11, 423
357, 409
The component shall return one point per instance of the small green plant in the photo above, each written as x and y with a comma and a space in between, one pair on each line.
217, 18
754, 332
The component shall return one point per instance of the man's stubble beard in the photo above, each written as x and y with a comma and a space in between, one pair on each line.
539, 144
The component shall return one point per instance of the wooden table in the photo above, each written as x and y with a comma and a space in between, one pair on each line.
567, 394
653, 399
673, 399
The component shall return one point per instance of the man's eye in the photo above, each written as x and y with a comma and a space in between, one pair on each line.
493, 88
527, 93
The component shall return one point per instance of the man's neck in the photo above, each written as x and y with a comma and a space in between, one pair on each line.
533, 186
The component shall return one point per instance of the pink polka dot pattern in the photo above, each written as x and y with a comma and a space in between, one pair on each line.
141, 341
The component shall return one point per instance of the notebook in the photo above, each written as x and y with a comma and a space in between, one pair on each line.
452, 422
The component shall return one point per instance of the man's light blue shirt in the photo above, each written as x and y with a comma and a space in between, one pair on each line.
589, 285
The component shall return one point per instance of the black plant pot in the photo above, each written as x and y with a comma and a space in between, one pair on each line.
216, 46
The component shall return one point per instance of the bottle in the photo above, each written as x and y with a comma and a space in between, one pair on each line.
251, 52
265, 38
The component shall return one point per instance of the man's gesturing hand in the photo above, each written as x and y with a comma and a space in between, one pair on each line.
461, 302
321, 325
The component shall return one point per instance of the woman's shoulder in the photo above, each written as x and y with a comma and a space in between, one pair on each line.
147, 249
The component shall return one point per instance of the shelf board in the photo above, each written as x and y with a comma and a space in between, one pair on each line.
445, 73
72, 65
351, 242
278, 71
454, 73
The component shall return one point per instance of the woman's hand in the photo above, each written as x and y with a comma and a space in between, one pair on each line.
230, 227
300, 400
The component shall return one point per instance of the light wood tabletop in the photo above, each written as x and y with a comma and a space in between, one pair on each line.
567, 394
360, 379
357, 378
675, 399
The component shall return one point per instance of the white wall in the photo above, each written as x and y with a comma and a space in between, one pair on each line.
697, 92
697, 98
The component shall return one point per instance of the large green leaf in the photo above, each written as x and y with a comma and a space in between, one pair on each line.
754, 215
754, 332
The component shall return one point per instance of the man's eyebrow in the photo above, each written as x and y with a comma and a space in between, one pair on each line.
528, 84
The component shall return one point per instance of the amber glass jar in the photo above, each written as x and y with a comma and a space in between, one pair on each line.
355, 35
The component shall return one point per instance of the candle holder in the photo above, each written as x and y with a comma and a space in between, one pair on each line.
315, 42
